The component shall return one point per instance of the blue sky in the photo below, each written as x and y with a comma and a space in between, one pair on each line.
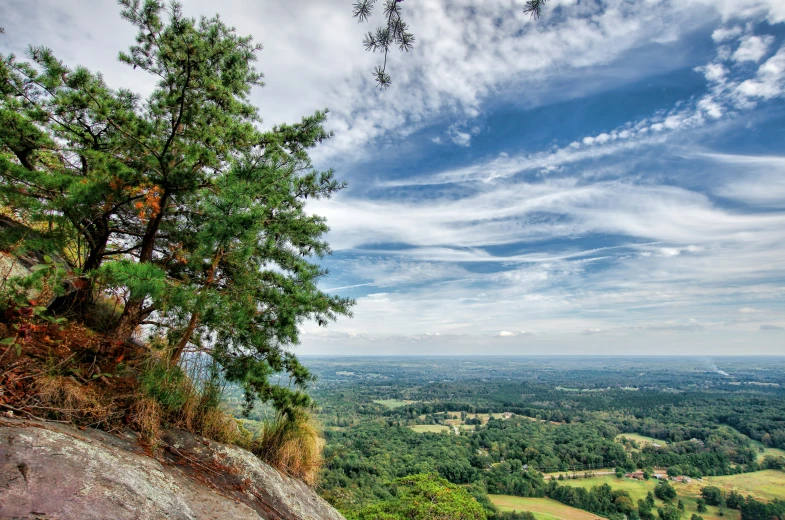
608, 179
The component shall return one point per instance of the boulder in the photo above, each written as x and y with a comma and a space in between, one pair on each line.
54, 471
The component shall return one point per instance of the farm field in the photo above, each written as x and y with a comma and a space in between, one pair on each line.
768, 484
636, 488
393, 403
430, 428
543, 508
642, 439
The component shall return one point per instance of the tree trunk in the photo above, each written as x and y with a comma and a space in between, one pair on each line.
194, 321
133, 313
78, 300
130, 318
178, 351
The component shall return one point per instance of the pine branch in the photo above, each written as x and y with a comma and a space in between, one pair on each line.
395, 31
534, 8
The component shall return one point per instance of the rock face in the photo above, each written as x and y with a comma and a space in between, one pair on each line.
53, 471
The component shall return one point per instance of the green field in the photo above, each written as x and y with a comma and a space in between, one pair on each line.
430, 428
774, 452
638, 489
766, 485
543, 508
642, 439
393, 403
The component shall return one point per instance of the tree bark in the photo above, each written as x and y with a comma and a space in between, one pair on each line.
78, 300
133, 312
194, 321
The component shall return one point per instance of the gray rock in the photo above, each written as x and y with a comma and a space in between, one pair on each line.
54, 471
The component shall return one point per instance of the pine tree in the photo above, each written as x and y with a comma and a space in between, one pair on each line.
177, 201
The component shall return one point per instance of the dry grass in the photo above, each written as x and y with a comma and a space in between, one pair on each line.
293, 445
68, 398
146, 416
71, 373
168, 398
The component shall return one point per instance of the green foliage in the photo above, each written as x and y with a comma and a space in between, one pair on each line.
176, 203
712, 495
513, 515
394, 32
669, 512
165, 383
602, 500
664, 491
424, 497
369, 444
752, 509
141, 280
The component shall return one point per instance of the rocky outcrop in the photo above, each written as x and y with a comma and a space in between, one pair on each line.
54, 471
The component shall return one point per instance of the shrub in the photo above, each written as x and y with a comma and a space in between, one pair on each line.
425, 497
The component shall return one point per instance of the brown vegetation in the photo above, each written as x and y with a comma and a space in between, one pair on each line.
67, 372
291, 444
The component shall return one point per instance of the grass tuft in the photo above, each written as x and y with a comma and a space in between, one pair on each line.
291, 444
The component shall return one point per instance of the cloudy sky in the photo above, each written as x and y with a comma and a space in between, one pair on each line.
608, 179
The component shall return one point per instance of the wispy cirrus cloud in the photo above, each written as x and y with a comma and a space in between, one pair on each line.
644, 213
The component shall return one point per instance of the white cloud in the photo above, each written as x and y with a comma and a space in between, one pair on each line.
683, 254
465, 51
726, 33
769, 81
763, 182
516, 334
752, 48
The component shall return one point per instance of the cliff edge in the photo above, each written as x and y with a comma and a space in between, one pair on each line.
54, 471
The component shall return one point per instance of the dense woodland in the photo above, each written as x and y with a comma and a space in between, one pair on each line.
567, 416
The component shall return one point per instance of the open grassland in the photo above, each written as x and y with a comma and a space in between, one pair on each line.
393, 403
774, 452
636, 488
430, 428
764, 485
767, 485
641, 439
543, 508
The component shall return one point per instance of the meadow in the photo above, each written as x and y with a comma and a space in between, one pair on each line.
430, 428
641, 439
766, 485
543, 508
394, 403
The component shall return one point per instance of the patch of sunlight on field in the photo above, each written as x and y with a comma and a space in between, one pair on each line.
688, 493
768, 484
636, 488
393, 403
543, 508
774, 452
641, 439
430, 428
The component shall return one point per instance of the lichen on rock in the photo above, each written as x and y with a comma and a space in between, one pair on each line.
54, 471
